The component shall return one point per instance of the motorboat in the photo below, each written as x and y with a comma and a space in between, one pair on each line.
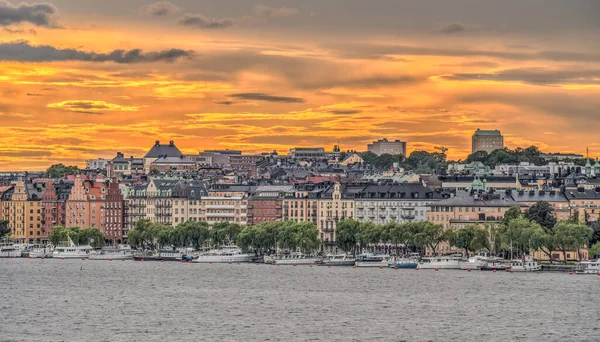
9, 250
41, 252
226, 254
442, 262
72, 251
293, 258
526, 264
123, 252
589, 267
372, 260
410, 262
476, 262
337, 260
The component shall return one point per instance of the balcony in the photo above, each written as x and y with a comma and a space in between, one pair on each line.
220, 214
220, 206
408, 216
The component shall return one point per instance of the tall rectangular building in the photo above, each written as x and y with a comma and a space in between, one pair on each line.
384, 146
487, 140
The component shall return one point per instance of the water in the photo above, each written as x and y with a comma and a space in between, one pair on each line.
75, 300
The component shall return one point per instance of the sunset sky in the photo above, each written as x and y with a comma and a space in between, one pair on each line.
81, 79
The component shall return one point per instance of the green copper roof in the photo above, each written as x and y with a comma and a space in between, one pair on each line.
480, 132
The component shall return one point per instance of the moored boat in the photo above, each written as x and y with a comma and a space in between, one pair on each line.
123, 252
9, 250
589, 267
496, 264
337, 260
294, 258
476, 262
226, 254
442, 262
526, 264
41, 252
72, 251
410, 262
372, 260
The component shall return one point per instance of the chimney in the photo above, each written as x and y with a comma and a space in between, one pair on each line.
157, 143
171, 143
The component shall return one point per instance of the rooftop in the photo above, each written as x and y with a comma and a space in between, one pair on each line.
158, 150
495, 132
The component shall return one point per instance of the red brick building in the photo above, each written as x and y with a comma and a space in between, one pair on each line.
265, 204
54, 205
113, 214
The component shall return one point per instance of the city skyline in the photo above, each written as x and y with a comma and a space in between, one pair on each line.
81, 82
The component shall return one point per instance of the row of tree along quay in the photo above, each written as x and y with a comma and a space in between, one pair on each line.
261, 238
519, 232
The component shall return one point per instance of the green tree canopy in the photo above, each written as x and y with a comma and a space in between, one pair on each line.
594, 251
346, 235
60, 170
570, 237
471, 238
4, 228
542, 213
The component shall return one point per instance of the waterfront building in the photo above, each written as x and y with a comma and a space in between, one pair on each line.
486, 209
558, 201
487, 140
387, 203
188, 204
164, 163
54, 209
300, 203
385, 146
265, 203
335, 203
114, 217
85, 204
227, 203
22, 208
584, 202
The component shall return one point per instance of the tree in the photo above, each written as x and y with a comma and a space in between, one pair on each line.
595, 250
431, 235
596, 233
345, 235
60, 170
511, 214
471, 238
542, 213
571, 237
4, 228
224, 233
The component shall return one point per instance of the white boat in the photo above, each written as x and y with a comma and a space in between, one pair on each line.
227, 254
527, 264
337, 260
294, 258
450, 262
9, 250
122, 252
476, 262
72, 251
589, 267
410, 262
41, 252
372, 260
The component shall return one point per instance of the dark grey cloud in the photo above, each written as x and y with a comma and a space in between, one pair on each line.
347, 111
537, 76
22, 51
161, 9
34, 94
39, 14
267, 97
87, 112
226, 103
200, 21
452, 28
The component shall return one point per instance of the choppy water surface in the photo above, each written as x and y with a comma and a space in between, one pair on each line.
75, 300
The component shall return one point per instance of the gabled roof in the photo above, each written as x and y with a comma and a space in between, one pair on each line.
158, 150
